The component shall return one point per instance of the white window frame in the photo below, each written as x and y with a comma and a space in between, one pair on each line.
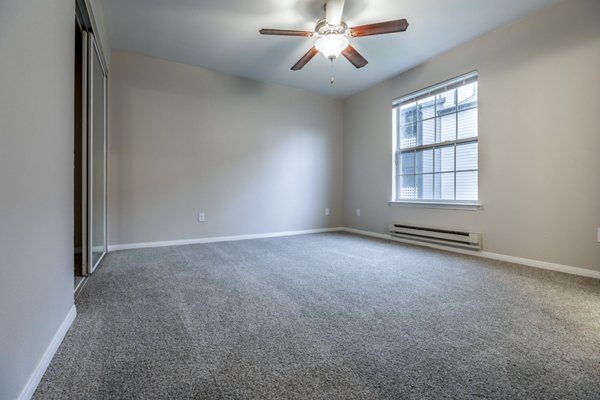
397, 169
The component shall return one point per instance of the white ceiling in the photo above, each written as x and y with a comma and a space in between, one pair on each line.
222, 35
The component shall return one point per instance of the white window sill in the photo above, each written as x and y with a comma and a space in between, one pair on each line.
428, 204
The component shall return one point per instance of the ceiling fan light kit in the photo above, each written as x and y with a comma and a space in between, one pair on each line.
331, 46
333, 35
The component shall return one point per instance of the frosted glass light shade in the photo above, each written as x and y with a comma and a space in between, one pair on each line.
332, 45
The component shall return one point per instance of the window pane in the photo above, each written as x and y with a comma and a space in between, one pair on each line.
444, 186
426, 108
466, 156
427, 132
447, 128
424, 187
466, 185
446, 102
407, 163
467, 96
408, 136
424, 161
408, 190
444, 159
467, 123
408, 113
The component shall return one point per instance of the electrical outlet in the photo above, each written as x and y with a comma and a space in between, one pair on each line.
358, 212
201, 217
598, 235
327, 211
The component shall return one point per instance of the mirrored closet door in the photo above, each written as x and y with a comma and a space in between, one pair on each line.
90, 149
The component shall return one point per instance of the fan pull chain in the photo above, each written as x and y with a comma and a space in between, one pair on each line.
332, 80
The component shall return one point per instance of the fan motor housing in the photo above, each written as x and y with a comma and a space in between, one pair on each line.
323, 28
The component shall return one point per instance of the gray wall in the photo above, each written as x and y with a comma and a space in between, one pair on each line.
256, 158
539, 141
263, 158
36, 182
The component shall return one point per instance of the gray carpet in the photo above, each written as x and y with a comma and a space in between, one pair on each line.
326, 316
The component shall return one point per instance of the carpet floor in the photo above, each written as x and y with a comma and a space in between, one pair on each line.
326, 316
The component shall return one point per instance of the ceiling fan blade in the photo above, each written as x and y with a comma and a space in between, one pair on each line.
305, 58
354, 57
380, 28
333, 11
285, 32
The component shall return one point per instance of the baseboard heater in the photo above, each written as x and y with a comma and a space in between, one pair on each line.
443, 236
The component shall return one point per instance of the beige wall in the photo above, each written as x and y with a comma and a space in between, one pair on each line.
36, 182
539, 139
256, 158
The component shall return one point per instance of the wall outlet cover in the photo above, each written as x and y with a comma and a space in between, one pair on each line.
327, 211
201, 217
358, 212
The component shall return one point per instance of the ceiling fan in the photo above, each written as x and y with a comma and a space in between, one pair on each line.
333, 35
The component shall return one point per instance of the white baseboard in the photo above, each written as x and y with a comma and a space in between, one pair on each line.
42, 365
214, 239
485, 254
589, 273
567, 269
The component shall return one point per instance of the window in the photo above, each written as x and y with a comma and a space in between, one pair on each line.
436, 147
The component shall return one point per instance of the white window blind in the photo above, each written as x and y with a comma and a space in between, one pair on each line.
436, 138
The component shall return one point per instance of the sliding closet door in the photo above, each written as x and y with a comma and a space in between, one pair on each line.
96, 156
80, 191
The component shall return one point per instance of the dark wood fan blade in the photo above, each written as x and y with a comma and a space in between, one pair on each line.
284, 32
380, 28
354, 57
305, 58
